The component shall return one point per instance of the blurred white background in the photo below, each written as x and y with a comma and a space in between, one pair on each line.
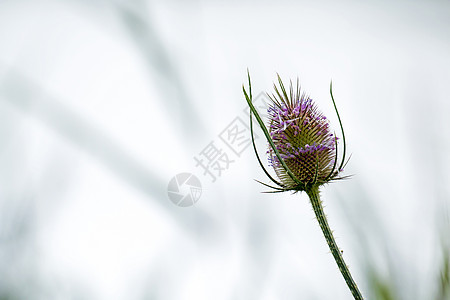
103, 102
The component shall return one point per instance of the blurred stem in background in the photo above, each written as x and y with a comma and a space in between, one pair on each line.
444, 291
444, 287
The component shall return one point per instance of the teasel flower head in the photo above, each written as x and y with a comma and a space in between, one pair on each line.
303, 150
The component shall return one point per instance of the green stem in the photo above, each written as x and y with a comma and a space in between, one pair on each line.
314, 197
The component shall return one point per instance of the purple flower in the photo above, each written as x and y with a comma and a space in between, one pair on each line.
302, 148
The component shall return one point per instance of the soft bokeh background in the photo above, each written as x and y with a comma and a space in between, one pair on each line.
103, 102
